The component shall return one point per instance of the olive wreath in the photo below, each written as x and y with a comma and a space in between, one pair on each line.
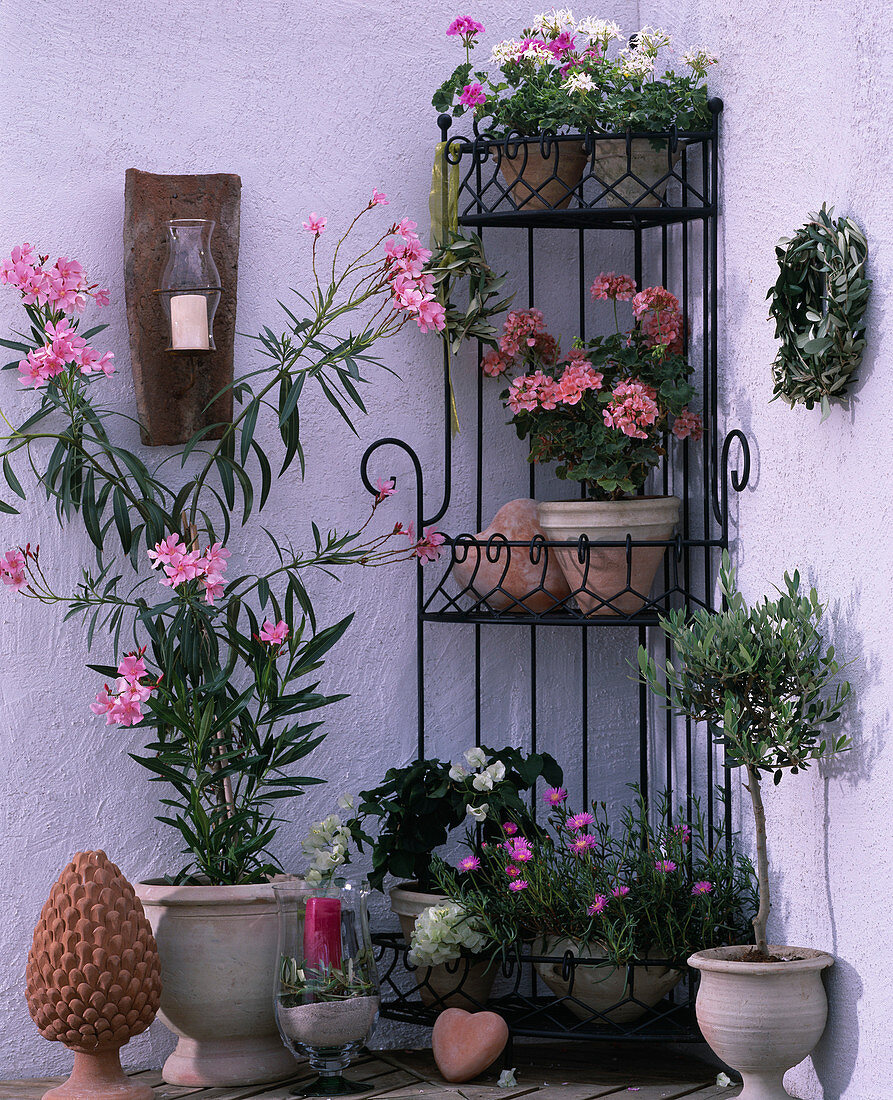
818, 304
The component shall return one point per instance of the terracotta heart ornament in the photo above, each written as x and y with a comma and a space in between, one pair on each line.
466, 1043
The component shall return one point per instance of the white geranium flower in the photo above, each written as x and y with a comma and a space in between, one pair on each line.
554, 20
636, 63
483, 781
476, 758
504, 52
651, 39
458, 773
479, 813
601, 30
579, 82
699, 61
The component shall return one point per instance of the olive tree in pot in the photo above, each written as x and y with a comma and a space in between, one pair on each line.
765, 680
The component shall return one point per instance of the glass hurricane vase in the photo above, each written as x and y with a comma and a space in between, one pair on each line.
327, 994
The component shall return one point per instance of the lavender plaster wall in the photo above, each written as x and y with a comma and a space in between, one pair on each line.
259, 89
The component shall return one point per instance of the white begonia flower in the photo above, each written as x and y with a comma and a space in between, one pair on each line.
507, 1079
483, 781
579, 82
347, 802
601, 30
496, 771
479, 813
458, 773
476, 758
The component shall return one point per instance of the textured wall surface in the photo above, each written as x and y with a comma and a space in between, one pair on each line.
312, 106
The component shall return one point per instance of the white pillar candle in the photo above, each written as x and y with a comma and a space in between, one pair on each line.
189, 323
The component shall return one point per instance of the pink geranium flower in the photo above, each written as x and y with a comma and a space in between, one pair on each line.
473, 95
610, 285
315, 223
465, 26
493, 364
688, 425
274, 635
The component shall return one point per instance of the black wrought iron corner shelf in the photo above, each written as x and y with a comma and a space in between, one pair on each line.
671, 217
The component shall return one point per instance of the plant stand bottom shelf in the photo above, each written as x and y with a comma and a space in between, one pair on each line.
544, 1072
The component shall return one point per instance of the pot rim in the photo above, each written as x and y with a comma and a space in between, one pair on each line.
625, 502
158, 892
714, 960
410, 891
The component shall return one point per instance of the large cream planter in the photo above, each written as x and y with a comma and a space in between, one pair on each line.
605, 582
218, 947
762, 1018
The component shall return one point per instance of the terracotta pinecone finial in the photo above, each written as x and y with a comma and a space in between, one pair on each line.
93, 976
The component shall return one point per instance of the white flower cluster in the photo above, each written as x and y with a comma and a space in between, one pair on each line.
602, 31
327, 843
508, 50
441, 932
699, 61
651, 39
554, 20
482, 780
579, 82
538, 55
637, 63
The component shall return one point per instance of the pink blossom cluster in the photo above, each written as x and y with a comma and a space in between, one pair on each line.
411, 286
538, 390
123, 705
495, 363
63, 346
688, 424
658, 313
473, 95
610, 285
181, 564
12, 570
426, 548
632, 409
63, 287
524, 330
273, 633
519, 849
465, 27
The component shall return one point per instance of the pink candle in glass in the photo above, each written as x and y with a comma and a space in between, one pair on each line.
322, 933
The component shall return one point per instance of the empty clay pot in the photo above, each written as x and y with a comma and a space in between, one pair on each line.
606, 581
599, 988
464, 1044
762, 1018
512, 578
538, 182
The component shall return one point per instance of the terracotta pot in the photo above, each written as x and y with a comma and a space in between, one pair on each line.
218, 947
631, 181
538, 182
440, 984
762, 1018
599, 988
605, 583
511, 581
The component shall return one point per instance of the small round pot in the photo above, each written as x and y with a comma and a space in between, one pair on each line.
762, 1018
537, 182
634, 183
600, 988
407, 901
608, 581
218, 951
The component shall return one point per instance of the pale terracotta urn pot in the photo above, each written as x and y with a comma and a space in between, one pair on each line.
218, 947
762, 1018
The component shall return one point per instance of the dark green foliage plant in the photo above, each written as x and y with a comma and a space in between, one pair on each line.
767, 684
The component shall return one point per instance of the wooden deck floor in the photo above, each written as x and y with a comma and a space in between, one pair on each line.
543, 1073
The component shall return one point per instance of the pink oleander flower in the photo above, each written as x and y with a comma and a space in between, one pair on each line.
428, 546
610, 285
513, 870
473, 95
509, 828
213, 561
665, 866
701, 888
518, 885
315, 224
406, 228
12, 570
580, 821
379, 198
582, 843
166, 550
598, 905
555, 796
687, 425
465, 26
385, 487
182, 567
274, 635
493, 363
101, 297
619, 891
132, 668
470, 863
40, 366
213, 588
123, 705
633, 409
91, 362
432, 315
